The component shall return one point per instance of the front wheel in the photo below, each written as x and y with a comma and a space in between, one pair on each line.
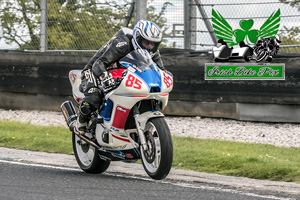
87, 156
157, 159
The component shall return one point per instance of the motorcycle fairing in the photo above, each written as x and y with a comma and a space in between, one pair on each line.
143, 80
106, 110
152, 79
116, 73
120, 118
115, 155
145, 68
75, 80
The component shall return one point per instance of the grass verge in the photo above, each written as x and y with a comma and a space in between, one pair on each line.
257, 161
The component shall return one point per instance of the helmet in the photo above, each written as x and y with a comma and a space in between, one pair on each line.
146, 35
277, 39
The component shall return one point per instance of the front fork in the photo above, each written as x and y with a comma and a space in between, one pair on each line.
136, 114
141, 121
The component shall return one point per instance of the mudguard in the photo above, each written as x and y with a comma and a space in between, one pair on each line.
144, 117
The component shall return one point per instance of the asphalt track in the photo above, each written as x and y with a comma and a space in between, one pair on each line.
189, 179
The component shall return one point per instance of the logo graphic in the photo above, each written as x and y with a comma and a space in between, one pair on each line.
121, 109
73, 77
232, 37
242, 71
120, 44
265, 40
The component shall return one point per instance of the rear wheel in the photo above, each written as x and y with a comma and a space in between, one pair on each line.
157, 159
87, 156
261, 55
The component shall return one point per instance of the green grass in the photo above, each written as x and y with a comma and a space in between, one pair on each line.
213, 156
37, 138
257, 161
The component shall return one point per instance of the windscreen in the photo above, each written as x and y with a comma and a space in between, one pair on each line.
137, 60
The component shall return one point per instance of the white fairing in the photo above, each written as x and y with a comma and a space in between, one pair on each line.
239, 52
222, 52
75, 80
123, 99
218, 50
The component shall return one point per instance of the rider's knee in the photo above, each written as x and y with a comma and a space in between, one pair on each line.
96, 101
85, 109
91, 103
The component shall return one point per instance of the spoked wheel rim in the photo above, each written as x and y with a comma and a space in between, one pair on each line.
85, 151
152, 156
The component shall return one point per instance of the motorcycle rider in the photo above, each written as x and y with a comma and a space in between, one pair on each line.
266, 48
145, 35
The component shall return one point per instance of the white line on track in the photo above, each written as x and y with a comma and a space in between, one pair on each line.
187, 185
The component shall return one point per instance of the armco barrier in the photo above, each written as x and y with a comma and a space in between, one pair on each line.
40, 81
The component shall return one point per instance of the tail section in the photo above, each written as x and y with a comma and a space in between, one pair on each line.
75, 80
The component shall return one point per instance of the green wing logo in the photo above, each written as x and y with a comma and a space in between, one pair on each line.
232, 37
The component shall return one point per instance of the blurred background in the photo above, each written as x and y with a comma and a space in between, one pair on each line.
83, 26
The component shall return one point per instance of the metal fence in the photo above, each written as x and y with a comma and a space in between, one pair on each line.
259, 11
84, 25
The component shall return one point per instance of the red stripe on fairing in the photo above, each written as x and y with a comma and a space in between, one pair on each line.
163, 95
133, 95
116, 73
120, 117
119, 138
78, 99
164, 109
140, 96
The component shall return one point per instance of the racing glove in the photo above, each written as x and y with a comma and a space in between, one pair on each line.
106, 80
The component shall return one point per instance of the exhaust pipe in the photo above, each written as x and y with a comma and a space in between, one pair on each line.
69, 113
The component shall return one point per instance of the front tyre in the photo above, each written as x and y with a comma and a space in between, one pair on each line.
87, 156
157, 159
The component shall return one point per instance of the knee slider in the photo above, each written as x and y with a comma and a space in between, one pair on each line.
85, 109
96, 101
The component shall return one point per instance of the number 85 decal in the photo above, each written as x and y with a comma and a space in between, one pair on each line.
133, 82
167, 80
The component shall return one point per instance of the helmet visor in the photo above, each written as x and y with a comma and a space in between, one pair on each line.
150, 46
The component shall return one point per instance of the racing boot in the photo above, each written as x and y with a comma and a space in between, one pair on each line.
81, 124
83, 118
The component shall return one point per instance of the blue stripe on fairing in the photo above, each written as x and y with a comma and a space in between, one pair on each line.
106, 110
117, 152
151, 77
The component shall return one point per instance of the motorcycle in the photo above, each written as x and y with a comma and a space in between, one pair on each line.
222, 53
130, 125
266, 48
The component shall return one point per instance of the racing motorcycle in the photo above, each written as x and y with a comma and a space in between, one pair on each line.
266, 48
130, 125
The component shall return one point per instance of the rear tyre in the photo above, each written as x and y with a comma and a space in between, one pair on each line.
157, 159
87, 157
261, 55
